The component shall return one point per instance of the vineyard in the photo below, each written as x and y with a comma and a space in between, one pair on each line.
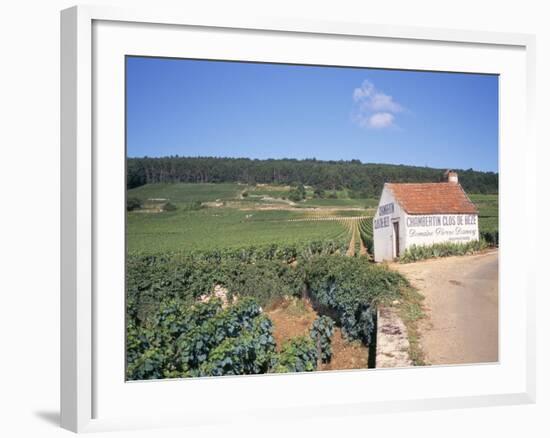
213, 228
355, 230
488, 217
225, 220
258, 250
176, 327
201, 275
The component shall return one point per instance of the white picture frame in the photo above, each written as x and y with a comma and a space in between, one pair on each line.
93, 39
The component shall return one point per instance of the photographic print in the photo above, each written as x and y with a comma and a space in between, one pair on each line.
289, 218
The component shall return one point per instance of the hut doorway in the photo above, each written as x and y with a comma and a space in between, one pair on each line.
396, 252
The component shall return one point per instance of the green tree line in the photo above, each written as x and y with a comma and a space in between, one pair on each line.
364, 179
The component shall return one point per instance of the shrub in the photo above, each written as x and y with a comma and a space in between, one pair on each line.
318, 193
297, 354
297, 194
357, 194
169, 207
294, 196
264, 280
153, 280
148, 365
133, 203
193, 347
322, 248
348, 289
321, 332
369, 243
150, 352
250, 353
191, 206
491, 237
199, 340
445, 249
262, 272
281, 252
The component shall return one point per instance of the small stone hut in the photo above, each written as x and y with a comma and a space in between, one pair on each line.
422, 214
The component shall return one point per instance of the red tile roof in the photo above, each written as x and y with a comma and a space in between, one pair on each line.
432, 198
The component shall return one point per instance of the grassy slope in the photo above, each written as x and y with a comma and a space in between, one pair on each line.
212, 228
221, 228
184, 193
359, 203
488, 211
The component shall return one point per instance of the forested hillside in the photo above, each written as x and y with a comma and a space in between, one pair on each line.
365, 180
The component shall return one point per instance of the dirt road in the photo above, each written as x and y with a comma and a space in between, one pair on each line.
461, 302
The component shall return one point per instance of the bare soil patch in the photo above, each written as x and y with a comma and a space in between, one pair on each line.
346, 355
294, 317
291, 317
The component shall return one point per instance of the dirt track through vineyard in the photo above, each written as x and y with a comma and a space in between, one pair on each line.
352, 225
351, 248
356, 238
362, 248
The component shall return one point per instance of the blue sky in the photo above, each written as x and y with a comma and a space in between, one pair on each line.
209, 108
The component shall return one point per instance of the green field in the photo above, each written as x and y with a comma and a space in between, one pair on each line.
271, 191
262, 217
238, 222
488, 211
185, 193
339, 202
215, 228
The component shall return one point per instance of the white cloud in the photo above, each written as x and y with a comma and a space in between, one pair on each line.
381, 120
373, 108
383, 102
364, 92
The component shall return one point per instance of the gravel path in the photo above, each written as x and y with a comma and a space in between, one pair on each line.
461, 302
392, 343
